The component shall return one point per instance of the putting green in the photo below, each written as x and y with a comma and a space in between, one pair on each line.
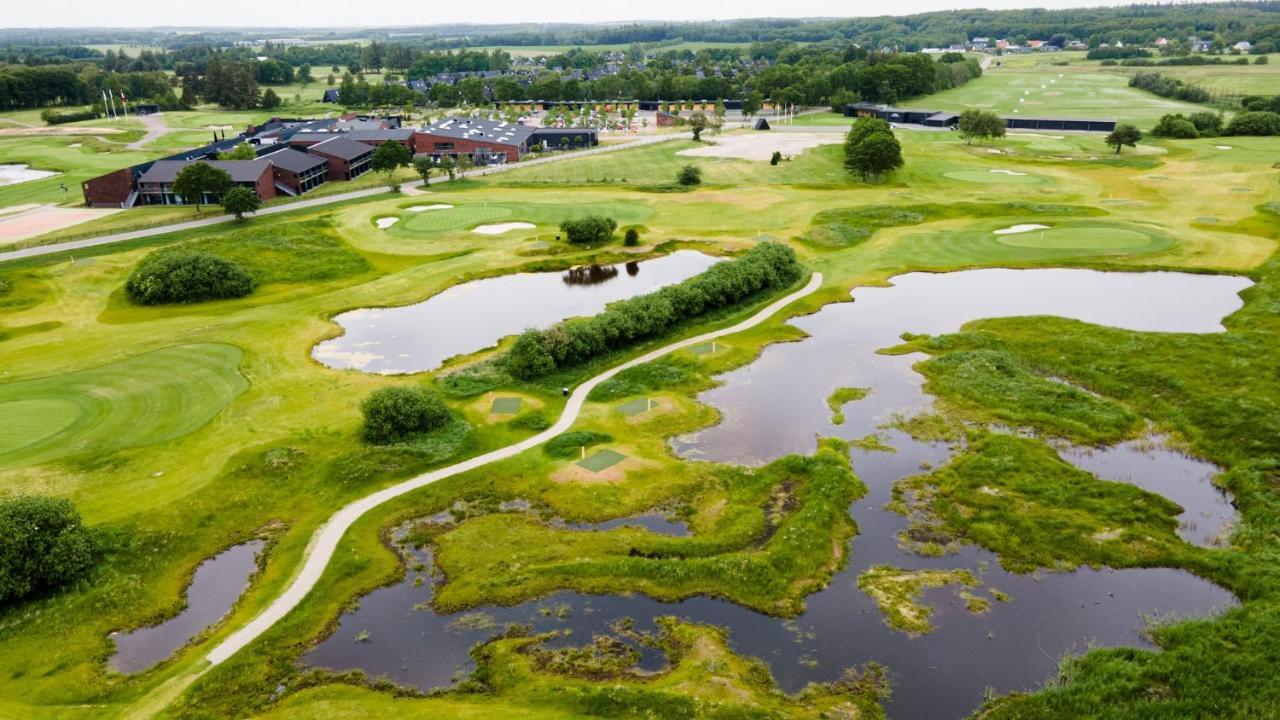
463, 217
505, 406
457, 218
144, 399
634, 407
602, 460
987, 177
1080, 238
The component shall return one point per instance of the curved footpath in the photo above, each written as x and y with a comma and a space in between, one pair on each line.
325, 540
38, 250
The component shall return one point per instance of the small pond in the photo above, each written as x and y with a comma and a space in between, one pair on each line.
776, 405
476, 315
217, 584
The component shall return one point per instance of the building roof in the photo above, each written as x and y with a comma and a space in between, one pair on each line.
379, 135
480, 130
166, 171
341, 148
294, 161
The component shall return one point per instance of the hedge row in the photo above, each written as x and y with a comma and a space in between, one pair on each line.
539, 352
1169, 87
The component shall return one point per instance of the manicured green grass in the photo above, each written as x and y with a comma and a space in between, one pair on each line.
993, 177
144, 399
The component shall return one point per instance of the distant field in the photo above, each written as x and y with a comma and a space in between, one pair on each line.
536, 50
1227, 79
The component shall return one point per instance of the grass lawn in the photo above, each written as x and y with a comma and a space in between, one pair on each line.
181, 430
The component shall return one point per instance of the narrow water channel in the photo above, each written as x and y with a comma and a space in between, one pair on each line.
775, 406
473, 316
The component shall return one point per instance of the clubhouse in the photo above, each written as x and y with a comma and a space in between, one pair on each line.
936, 119
297, 156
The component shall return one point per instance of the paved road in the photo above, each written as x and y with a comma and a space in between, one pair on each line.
325, 540
38, 250
156, 128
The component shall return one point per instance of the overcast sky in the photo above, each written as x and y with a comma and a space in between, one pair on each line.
345, 13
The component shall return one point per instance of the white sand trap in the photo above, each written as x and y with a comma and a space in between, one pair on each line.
1015, 229
762, 145
57, 130
218, 127
1222, 147
499, 228
1037, 135
994, 151
386, 222
1008, 172
424, 208
74, 145
14, 174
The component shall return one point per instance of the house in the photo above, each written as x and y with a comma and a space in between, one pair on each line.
155, 185
297, 172
1162, 42
330, 96
346, 158
484, 141
1200, 46
1243, 46
979, 43
1035, 44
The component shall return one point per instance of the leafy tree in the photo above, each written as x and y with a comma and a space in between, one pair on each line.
589, 230
631, 238
1175, 126
689, 176
450, 166
698, 122
303, 76
1124, 134
176, 276
43, 546
240, 200
243, 151
870, 149
270, 100
752, 103
529, 356
389, 157
980, 125
199, 179
393, 414
842, 97
424, 166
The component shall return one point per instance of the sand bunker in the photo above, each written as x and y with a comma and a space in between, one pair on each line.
1008, 172
13, 174
761, 145
1015, 229
1222, 147
424, 208
218, 127
386, 222
499, 228
59, 130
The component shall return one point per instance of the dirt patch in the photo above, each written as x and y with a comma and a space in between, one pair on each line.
762, 145
44, 219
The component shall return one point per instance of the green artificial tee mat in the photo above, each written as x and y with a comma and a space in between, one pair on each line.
602, 460
505, 406
705, 348
634, 407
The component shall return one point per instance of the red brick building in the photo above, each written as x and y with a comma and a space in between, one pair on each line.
297, 172
111, 190
484, 141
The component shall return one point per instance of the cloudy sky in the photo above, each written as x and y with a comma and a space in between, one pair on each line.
345, 13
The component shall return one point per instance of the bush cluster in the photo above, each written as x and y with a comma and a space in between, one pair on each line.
43, 546
539, 352
1168, 87
185, 277
53, 117
589, 230
393, 414
689, 175
1255, 123
870, 149
1261, 103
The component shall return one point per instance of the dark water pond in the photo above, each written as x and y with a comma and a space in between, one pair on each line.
217, 584
476, 315
775, 406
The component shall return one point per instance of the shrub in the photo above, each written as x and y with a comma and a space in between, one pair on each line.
1207, 123
1255, 123
539, 352
392, 414
168, 277
589, 230
631, 238
571, 443
240, 200
53, 117
1175, 126
776, 157
689, 176
43, 546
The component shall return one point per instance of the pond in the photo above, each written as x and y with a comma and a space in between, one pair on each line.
775, 406
217, 584
476, 315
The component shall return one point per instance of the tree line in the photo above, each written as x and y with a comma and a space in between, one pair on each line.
767, 266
